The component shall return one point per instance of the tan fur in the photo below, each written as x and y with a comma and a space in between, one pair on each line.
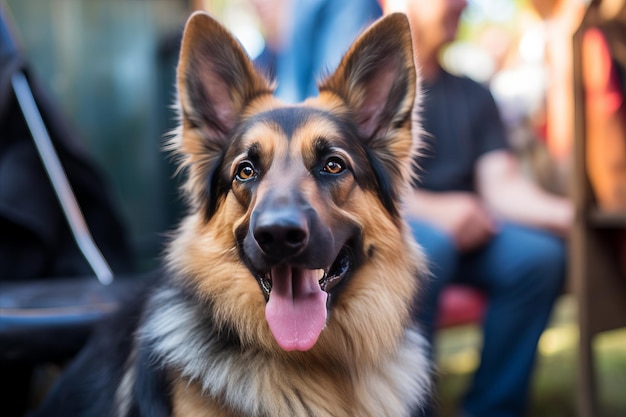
187, 401
355, 368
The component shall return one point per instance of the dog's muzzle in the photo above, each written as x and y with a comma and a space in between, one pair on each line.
297, 261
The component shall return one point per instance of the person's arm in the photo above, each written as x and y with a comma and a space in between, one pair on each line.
512, 196
462, 215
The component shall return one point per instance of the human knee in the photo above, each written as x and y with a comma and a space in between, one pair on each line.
544, 263
438, 247
442, 259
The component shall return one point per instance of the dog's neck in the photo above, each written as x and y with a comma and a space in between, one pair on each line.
178, 332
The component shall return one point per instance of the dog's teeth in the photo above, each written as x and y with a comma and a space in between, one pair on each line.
320, 273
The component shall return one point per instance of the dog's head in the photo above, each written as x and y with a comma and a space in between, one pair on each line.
296, 199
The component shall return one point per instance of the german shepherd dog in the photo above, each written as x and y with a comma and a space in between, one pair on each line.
288, 287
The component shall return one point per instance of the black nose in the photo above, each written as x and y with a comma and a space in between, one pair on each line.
281, 233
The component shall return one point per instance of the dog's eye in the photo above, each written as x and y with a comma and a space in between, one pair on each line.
334, 165
245, 171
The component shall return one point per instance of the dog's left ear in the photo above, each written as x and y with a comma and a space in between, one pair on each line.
377, 80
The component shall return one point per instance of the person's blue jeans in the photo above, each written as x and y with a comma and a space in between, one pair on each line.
522, 272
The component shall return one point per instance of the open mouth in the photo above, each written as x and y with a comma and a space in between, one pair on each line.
297, 300
328, 278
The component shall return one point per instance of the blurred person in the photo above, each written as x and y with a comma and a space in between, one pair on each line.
560, 23
320, 32
481, 221
603, 60
560, 19
273, 16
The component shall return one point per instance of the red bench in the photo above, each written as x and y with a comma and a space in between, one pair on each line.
460, 305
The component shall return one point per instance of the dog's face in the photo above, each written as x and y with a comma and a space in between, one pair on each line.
291, 202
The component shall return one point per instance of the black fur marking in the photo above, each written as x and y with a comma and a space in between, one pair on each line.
228, 337
357, 256
287, 118
151, 389
384, 180
215, 188
88, 386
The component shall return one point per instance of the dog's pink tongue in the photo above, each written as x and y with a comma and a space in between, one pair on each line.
296, 310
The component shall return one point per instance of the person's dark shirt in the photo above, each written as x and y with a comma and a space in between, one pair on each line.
461, 123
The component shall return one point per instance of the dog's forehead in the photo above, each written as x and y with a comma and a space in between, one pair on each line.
295, 123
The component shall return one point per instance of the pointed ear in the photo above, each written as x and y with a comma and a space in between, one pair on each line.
377, 77
216, 79
378, 82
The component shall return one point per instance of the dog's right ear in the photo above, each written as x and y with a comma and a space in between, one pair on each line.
216, 80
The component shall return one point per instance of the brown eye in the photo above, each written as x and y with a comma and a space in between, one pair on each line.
245, 171
334, 165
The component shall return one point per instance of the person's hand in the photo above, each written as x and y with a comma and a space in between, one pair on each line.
462, 215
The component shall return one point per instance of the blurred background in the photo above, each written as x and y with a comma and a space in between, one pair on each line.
110, 65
